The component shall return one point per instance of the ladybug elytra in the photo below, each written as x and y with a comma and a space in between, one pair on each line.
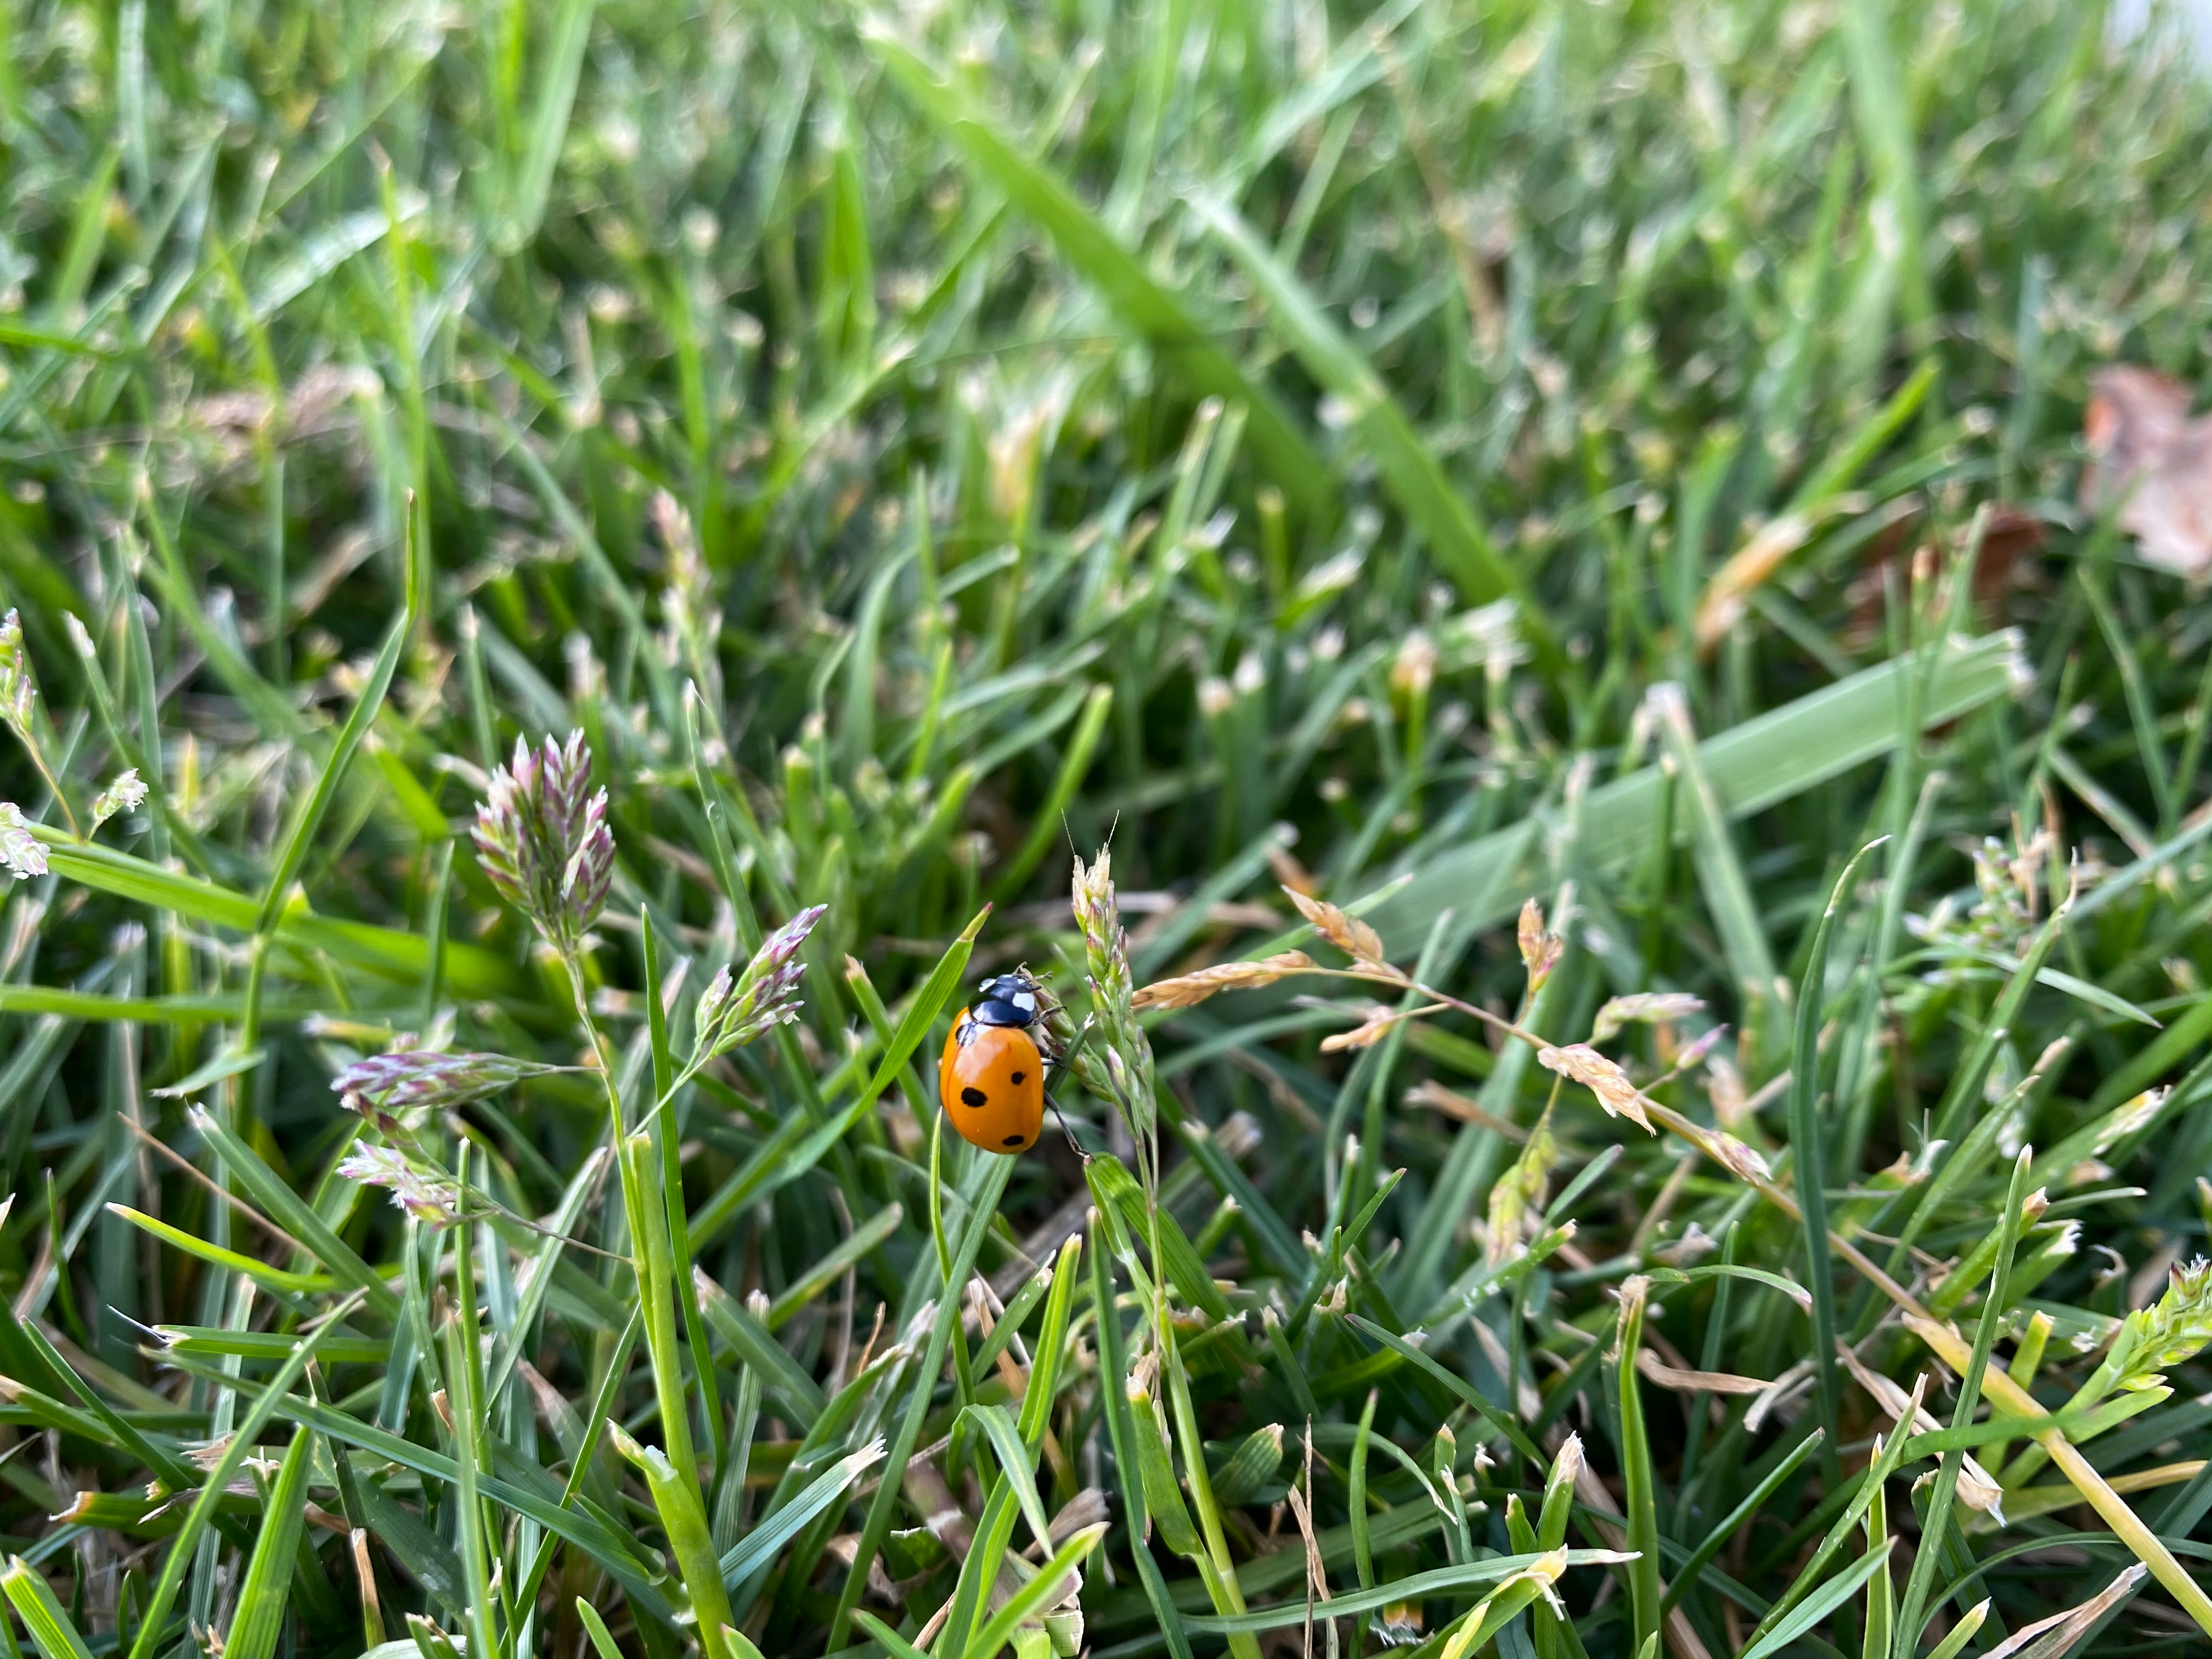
992, 1076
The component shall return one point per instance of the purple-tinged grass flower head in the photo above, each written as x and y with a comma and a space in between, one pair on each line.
734, 1011
383, 1085
426, 1195
543, 839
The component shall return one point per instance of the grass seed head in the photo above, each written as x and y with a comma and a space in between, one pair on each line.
1540, 950
428, 1196
1648, 1007
1188, 990
2153, 1340
126, 794
17, 691
733, 1012
1126, 1052
19, 850
1347, 933
543, 840
417, 1078
1377, 1021
1580, 1063
1521, 1192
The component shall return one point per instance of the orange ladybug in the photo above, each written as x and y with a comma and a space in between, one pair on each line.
992, 1077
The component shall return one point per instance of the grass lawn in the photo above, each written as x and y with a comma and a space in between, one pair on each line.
1629, 1049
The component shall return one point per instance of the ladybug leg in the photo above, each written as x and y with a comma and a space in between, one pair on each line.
1059, 1117
1061, 1063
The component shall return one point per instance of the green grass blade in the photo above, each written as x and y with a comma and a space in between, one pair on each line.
1817, 1606
1928, 1553
1686, 1576
1809, 1164
1050, 1584
53, 1631
819, 1275
164, 1593
1148, 309
263, 1595
1409, 469
294, 1215
1639, 1496
1753, 766
909, 1429
1500, 1422
301, 833
549, 118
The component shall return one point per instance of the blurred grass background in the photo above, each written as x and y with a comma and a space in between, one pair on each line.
1619, 454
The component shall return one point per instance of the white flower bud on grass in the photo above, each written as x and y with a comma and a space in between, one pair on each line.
20, 850
126, 794
17, 692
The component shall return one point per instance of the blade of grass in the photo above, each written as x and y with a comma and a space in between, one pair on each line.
908, 1433
1032, 1598
1752, 1502
1639, 1499
1409, 467
164, 1593
1499, 1422
53, 1631
1800, 1618
1145, 308
1752, 766
1808, 1162
1928, 1555
259, 1620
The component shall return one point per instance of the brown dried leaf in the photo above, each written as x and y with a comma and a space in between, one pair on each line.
2146, 451
1739, 1160
1978, 1488
2049, 1639
1654, 1369
1580, 1063
1348, 933
1187, 990
1728, 594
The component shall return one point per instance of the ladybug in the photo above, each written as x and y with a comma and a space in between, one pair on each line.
992, 1077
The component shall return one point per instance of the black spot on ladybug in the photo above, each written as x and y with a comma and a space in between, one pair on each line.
1019, 1077
1014, 1140
973, 1097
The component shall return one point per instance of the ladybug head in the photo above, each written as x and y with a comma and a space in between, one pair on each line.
1014, 998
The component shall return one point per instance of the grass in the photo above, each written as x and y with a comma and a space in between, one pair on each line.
1372, 473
